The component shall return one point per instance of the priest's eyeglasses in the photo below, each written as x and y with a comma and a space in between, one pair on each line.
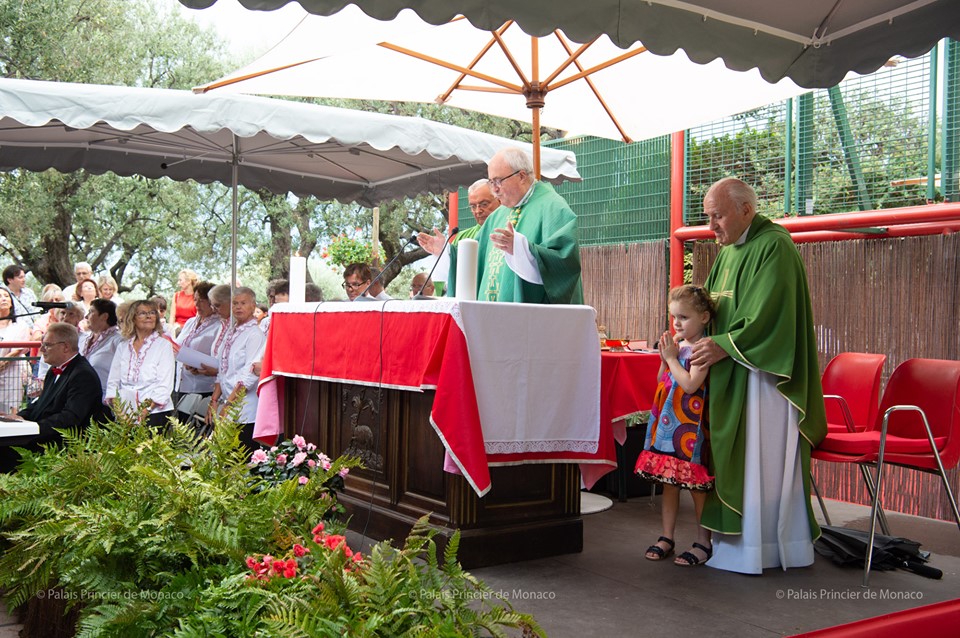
480, 205
497, 182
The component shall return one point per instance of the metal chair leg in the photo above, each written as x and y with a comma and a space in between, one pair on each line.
871, 490
823, 508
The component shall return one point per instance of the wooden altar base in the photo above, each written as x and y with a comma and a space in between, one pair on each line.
532, 511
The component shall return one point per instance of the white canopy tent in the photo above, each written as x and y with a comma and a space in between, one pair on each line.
351, 156
814, 42
598, 89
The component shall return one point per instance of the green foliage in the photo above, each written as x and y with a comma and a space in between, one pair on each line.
152, 535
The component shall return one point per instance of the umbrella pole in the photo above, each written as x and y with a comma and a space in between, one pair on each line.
234, 205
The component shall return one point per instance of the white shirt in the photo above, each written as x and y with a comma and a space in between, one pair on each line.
135, 378
199, 339
242, 347
99, 351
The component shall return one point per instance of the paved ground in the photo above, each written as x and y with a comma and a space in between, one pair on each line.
610, 589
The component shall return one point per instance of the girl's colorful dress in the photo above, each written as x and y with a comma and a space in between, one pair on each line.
676, 448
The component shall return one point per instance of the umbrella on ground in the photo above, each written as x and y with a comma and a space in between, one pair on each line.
848, 547
815, 42
351, 156
594, 88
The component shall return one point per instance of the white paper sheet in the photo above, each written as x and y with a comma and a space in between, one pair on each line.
195, 358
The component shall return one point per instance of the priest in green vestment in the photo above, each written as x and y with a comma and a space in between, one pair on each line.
765, 398
528, 248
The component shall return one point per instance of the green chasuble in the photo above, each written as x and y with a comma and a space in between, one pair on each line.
765, 320
470, 233
551, 230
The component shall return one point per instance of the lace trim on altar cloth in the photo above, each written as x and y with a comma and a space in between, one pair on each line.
442, 305
521, 447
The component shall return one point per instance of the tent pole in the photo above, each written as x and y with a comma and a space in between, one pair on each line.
234, 205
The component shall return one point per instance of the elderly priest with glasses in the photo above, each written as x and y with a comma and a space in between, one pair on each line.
71, 393
528, 249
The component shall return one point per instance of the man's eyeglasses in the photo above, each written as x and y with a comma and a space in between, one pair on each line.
349, 286
481, 205
47, 345
497, 182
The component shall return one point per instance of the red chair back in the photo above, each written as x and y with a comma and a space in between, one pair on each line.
933, 385
855, 376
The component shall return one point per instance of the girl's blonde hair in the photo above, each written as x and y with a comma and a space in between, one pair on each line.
696, 296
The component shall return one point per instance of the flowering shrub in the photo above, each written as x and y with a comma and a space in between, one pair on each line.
346, 250
300, 559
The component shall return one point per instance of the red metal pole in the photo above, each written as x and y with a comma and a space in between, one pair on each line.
453, 208
910, 215
903, 230
676, 208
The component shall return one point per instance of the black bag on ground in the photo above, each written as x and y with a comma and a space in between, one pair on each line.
846, 546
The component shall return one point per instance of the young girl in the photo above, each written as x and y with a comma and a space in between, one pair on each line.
676, 448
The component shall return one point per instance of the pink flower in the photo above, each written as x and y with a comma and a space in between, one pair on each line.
281, 459
311, 447
298, 458
344, 471
325, 461
299, 441
302, 480
311, 464
259, 456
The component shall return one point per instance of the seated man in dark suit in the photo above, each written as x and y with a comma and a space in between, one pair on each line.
71, 391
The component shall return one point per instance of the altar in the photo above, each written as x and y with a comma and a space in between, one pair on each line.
481, 415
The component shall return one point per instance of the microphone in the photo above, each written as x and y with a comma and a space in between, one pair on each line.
453, 231
363, 294
47, 305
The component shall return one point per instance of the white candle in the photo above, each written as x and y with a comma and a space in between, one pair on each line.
298, 279
467, 269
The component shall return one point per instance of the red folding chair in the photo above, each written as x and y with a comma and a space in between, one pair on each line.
851, 394
851, 390
919, 429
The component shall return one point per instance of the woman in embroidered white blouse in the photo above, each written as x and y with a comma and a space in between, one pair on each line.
100, 344
143, 367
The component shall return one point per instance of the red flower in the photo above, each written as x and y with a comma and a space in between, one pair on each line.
333, 541
299, 550
252, 562
318, 528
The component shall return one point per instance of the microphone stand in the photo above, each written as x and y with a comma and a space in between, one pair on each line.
383, 270
420, 295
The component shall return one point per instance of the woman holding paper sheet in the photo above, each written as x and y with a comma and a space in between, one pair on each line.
198, 334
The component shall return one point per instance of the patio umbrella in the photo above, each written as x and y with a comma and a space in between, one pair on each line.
351, 156
814, 42
595, 88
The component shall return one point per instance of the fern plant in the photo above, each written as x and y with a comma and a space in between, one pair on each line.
147, 534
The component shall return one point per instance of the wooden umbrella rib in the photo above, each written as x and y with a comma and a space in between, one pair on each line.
487, 89
570, 60
603, 65
451, 66
250, 76
511, 59
446, 94
586, 78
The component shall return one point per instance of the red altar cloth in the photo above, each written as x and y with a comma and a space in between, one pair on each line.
628, 382
409, 350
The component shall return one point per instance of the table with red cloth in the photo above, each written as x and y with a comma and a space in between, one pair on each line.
514, 383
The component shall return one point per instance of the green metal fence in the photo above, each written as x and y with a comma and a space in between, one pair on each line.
870, 143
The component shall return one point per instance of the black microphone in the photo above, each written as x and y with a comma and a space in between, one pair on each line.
47, 305
362, 295
453, 231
